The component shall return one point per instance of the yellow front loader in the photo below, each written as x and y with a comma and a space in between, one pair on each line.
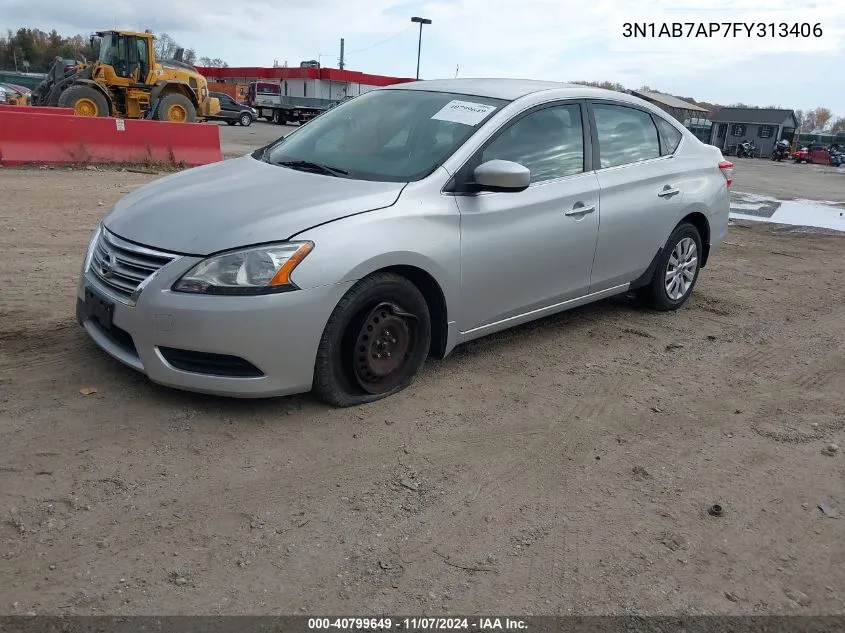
127, 81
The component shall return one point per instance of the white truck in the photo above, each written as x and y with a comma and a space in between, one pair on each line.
267, 99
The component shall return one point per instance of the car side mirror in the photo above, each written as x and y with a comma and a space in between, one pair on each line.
502, 175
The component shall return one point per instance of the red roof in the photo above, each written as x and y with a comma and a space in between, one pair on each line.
325, 74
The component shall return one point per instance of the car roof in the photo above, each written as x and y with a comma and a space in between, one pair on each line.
510, 89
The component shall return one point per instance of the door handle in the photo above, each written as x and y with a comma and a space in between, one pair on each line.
668, 191
578, 211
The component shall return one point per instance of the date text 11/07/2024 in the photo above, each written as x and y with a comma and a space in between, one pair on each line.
479, 624
722, 29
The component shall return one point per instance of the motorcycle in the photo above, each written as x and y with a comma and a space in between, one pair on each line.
837, 158
780, 151
746, 149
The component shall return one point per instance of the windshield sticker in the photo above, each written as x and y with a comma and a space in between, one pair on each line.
465, 112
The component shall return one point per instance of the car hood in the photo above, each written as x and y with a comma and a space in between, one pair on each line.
237, 203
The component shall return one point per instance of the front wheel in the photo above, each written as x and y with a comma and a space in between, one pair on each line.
176, 108
246, 119
85, 101
677, 270
375, 342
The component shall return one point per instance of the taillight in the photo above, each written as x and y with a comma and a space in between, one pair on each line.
727, 168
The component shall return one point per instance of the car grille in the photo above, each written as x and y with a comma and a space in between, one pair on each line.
121, 267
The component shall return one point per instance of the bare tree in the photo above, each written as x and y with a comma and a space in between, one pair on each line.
838, 125
165, 46
823, 117
208, 62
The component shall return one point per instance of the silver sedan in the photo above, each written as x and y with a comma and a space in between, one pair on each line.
396, 226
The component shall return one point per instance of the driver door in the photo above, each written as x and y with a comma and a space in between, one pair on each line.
529, 250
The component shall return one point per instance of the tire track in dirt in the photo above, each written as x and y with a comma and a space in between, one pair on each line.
530, 462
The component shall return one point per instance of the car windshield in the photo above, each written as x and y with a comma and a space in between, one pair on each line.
384, 135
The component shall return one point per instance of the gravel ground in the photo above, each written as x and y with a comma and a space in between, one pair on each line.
566, 466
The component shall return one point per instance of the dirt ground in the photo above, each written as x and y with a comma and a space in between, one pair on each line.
563, 467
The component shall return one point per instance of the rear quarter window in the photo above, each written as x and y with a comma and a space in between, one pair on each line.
670, 137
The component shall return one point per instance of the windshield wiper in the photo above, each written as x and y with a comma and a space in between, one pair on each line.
306, 165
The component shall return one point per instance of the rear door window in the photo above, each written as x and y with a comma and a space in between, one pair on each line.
626, 135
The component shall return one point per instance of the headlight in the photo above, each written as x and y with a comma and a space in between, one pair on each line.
259, 270
92, 243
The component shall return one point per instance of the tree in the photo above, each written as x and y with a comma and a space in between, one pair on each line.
212, 63
816, 119
823, 117
190, 57
606, 85
838, 125
165, 46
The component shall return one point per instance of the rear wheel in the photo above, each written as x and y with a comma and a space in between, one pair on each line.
85, 101
375, 342
278, 119
176, 108
677, 270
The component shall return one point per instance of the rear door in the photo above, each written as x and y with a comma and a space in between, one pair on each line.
642, 190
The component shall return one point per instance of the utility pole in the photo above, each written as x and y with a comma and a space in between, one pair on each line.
341, 63
419, 44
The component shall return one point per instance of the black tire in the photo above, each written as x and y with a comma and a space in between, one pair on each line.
246, 119
176, 100
656, 295
278, 119
343, 371
70, 97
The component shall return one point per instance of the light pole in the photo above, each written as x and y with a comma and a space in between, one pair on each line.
419, 45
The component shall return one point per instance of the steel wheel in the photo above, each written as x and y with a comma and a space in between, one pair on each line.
681, 269
85, 107
385, 343
374, 343
177, 113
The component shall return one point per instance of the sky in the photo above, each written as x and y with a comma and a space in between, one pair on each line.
559, 40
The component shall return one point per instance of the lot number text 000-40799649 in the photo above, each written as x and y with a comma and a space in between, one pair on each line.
721, 29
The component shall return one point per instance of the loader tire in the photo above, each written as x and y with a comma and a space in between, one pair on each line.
176, 108
85, 101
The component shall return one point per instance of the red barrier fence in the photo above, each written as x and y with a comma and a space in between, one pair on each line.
45, 136
36, 109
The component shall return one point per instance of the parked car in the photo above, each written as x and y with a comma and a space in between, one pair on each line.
232, 112
398, 225
15, 94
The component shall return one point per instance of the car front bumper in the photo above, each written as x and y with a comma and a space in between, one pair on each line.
244, 347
